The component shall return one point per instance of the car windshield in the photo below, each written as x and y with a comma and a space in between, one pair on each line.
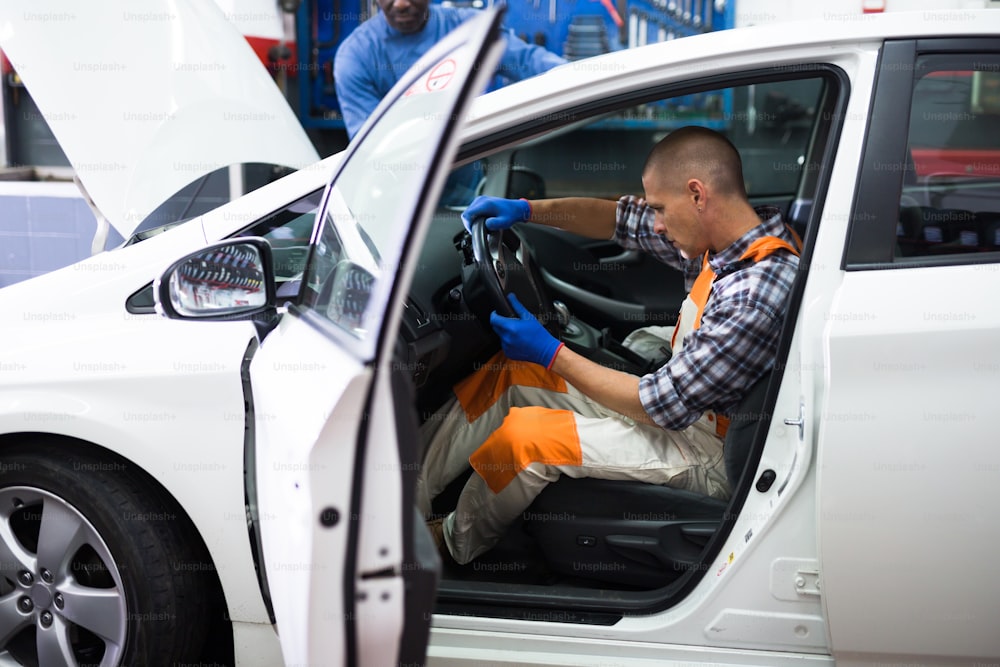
373, 201
369, 210
206, 193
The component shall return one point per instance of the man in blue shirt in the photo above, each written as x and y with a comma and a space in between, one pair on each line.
380, 50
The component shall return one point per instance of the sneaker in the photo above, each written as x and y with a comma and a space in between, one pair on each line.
436, 526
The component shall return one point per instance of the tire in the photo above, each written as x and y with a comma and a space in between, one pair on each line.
97, 567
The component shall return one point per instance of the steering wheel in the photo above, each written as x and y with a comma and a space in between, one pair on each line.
501, 263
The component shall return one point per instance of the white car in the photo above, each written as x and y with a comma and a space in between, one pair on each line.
241, 490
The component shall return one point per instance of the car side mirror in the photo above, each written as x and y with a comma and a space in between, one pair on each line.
226, 281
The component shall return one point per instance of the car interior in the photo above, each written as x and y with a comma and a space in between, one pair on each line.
598, 548
948, 204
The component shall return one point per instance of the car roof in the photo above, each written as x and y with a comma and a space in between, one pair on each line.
784, 44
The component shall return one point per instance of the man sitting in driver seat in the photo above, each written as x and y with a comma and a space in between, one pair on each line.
539, 410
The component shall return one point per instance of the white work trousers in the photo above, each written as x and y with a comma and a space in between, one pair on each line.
520, 426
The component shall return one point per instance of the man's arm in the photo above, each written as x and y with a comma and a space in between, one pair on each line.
356, 92
628, 222
587, 216
524, 339
609, 387
522, 60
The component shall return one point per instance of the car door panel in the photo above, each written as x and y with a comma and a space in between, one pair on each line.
350, 581
908, 462
309, 399
420, 556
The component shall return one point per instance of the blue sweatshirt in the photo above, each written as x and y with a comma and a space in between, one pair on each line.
374, 56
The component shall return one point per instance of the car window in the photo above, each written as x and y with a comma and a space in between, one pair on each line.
950, 198
371, 203
770, 123
289, 231
205, 194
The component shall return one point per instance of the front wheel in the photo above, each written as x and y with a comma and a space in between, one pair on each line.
96, 568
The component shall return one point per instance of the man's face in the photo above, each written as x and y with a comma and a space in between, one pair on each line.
406, 16
676, 214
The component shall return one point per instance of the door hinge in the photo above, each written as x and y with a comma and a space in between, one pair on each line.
795, 579
807, 582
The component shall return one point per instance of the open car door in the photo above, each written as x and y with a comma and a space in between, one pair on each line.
350, 567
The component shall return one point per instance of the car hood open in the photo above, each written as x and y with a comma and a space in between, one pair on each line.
146, 97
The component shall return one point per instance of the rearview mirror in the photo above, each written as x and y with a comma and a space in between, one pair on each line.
229, 280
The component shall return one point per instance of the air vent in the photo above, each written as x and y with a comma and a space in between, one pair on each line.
416, 313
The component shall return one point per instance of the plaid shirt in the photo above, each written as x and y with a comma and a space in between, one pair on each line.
738, 337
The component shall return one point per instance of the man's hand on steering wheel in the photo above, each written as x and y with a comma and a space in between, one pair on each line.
499, 213
523, 338
500, 264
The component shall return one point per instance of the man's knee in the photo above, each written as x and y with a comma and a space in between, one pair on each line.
521, 425
526, 436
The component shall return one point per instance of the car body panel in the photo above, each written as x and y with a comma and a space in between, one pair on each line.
125, 395
471, 647
910, 396
51, 316
172, 92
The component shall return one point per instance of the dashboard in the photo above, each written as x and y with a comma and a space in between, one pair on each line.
440, 339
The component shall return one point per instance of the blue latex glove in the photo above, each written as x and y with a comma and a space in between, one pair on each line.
524, 338
499, 213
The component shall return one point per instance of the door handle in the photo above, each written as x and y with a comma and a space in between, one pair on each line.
628, 257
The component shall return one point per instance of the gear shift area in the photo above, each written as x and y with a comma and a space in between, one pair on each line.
598, 345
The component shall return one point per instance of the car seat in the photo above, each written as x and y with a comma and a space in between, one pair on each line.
637, 534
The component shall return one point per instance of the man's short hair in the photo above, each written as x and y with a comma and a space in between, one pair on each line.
698, 152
